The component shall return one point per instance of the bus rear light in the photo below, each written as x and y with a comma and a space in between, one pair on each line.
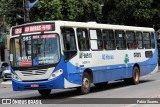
56, 73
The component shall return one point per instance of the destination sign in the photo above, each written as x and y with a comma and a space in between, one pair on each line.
18, 30
33, 28
38, 28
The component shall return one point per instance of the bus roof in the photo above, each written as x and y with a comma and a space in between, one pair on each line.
106, 26
93, 25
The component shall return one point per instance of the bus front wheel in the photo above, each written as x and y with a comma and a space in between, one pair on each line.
85, 88
135, 77
45, 92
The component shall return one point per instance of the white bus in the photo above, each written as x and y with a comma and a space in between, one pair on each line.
63, 54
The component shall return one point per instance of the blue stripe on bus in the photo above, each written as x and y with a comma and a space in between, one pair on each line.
111, 72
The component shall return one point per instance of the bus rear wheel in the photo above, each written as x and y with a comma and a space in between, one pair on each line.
135, 77
45, 92
85, 88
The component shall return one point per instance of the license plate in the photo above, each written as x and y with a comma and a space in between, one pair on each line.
34, 85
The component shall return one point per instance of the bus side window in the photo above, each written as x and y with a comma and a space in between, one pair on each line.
139, 39
152, 40
131, 40
69, 42
83, 39
108, 39
120, 39
96, 39
146, 40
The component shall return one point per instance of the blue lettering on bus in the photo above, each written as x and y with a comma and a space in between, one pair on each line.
107, 57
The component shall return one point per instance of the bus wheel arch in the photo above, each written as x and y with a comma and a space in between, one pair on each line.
134, 80
90, 73
137, 65
87, 79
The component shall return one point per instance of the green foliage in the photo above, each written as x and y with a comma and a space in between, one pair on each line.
132, 12
126, 12
72, 10
91, 9
46, 10
8, 10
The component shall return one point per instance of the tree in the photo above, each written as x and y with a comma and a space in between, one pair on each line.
72, 10
44, 10
126, 12
11, 10
132, 12
91, 9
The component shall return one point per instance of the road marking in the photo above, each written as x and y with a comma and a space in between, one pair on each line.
7, 82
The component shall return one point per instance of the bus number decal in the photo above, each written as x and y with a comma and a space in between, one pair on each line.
27, 38
85, 55
18, 31
137, 54
86, 62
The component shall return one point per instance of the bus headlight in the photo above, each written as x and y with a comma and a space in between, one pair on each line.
14, 76
56, 73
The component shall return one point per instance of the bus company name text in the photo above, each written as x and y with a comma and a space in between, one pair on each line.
85, 55
107, 57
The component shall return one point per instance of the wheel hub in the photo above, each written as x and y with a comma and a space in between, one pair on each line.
85, 83
136, 75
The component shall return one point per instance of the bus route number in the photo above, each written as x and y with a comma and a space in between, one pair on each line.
85, 55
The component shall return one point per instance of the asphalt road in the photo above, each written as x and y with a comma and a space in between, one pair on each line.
149, 87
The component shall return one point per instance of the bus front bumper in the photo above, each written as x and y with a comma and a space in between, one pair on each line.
55, 83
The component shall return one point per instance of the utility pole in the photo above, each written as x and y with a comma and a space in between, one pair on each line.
26, 11
104, 10
27, 4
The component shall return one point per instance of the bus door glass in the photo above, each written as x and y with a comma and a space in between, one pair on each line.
84, 47
70, 49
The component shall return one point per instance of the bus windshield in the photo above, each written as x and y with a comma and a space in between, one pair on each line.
35, 50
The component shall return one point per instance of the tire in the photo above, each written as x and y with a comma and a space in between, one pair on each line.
45, 92
135, 77
85, 88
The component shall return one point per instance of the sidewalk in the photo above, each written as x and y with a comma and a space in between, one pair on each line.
6, 84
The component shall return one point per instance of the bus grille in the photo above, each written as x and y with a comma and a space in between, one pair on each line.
34, 72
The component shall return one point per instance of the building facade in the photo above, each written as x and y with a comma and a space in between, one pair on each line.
4, 41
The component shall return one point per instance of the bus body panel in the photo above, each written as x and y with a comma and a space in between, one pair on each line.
113, 71
106, 65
